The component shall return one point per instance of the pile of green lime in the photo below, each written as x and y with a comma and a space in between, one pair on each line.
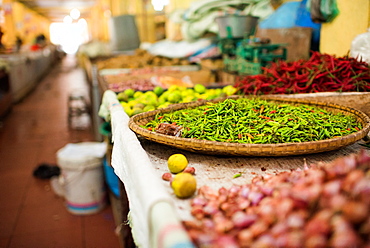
135, 102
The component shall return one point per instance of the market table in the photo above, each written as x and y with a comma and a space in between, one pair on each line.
155, 213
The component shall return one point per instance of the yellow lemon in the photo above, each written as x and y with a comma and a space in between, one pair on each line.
173, 88
174, 97
177, 163
229, 90
184, 185
137, 94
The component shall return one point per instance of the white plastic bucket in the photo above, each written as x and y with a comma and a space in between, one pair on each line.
82, 177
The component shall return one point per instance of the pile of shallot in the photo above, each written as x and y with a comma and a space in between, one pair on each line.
325, 205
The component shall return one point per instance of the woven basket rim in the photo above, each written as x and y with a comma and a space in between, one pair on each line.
248, 149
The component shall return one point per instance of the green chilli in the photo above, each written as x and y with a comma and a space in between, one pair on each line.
258, 121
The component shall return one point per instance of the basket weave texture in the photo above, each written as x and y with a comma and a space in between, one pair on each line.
242, 149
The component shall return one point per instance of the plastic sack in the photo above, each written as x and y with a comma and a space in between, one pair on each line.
323, 10
283, 17
329, 9
360, 47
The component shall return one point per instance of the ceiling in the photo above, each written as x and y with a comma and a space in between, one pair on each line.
56, 10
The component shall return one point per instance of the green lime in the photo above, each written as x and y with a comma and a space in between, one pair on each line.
200, 88
164, 95
174, 97
139, 106
158, 90
129, 92
149, 108
137, 111
122, 96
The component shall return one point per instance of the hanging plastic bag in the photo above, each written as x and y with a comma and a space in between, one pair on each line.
360, 47
323, 10
315, 11
329, 9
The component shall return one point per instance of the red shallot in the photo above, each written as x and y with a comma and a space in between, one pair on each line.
323, 205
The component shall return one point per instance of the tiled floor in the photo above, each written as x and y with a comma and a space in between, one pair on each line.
31, 215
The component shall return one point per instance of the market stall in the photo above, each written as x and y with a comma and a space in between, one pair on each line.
25, 69
156, 213
235, 172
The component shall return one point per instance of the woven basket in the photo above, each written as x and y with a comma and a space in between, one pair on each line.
238, 149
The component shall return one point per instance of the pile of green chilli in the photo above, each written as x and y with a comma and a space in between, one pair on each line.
258, 121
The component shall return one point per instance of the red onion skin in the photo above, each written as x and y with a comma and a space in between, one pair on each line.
267, 213
265, 240
279, 229
211, 208
167, 176
365, 227
229, 208
316, 241
225, 242
362, 188
233, 191
319, 224
351, 179
296, 220
242, 220
258, 228
243, 203
223, 225
198, 201
341, 225
326, 205
222, 195
245, 238
208, 224
284, 207
331, 188
190, 170
197, 212
208, 193
345, 239
244, 192
355, 211
295, 239
255, 197
193, 225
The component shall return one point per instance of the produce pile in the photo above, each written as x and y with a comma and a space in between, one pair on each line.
144, 79
257, 121
320, 73
325, 205
135, 102
140, 58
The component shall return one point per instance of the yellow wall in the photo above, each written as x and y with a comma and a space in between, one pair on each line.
173, 30
23, 22
98, 23
105, 9
354, 18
